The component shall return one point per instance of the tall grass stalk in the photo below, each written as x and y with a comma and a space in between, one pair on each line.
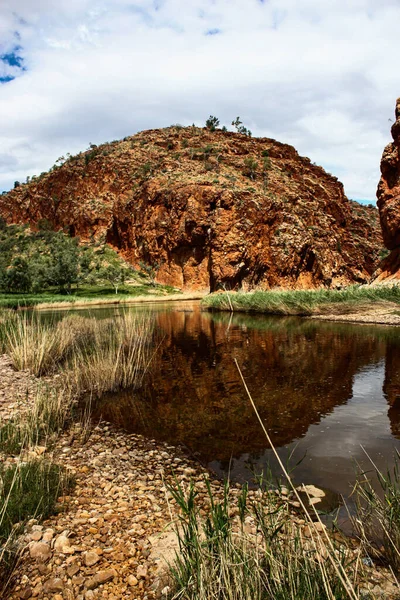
219, 559
341, 572
92, 355
41, 347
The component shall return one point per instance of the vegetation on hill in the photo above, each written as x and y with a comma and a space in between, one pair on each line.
36, 262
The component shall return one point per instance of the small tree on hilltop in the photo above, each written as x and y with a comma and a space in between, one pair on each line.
212, 123
237, 123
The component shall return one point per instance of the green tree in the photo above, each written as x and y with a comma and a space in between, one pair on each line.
114, 273
40, 272
212, 123
89, 266
17, 278
237, 123
65, 261
151, 271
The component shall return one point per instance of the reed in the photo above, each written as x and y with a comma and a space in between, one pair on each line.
41, 347
48, 414
117, 358
91, 355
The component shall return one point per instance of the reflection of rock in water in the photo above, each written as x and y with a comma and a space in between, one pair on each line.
391, 386
297, 371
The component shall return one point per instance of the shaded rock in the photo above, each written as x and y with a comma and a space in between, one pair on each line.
54, 584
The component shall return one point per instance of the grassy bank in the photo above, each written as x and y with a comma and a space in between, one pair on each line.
82, 296
303, 302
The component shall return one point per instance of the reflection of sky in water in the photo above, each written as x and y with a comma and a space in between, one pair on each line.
331, 449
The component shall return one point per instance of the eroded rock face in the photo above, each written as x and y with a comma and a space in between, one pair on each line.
388, 194
208, 210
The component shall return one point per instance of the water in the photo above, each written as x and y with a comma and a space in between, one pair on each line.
327, 393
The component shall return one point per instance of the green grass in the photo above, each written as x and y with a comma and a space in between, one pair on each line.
83, 294
27, 490
302, 302
221, 558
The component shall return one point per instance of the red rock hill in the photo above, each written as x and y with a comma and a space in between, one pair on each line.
208, 209
388, 194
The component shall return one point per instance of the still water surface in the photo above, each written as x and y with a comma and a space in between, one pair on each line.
324, 390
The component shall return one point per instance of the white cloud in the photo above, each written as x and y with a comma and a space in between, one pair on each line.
323, 77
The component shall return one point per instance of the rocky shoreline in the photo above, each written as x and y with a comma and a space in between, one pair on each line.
114, 535
107, 540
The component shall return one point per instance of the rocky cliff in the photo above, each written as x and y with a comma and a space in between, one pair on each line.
388, 194
207, 210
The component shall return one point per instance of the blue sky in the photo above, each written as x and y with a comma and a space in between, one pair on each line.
321, 76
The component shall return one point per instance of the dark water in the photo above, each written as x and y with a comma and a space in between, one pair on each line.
324, 390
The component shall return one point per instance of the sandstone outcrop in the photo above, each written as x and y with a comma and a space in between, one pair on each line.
388, 194
208, 210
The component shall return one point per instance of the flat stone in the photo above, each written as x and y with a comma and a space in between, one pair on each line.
91, 558
63, 545
312, 491
100, 578
73, 570
40, 551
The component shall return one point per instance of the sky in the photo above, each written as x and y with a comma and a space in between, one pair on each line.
320, 75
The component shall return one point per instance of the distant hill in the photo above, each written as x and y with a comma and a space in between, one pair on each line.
206, 210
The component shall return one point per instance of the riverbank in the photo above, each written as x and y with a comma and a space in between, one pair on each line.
357, 304
124, 301
112, 535
97, 296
